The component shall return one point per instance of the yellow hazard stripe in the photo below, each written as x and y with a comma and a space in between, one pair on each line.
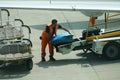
12, 38
105, 35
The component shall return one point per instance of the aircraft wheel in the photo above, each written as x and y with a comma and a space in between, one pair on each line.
111, 50
29, 64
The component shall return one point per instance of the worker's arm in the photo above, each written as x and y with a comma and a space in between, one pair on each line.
64, 29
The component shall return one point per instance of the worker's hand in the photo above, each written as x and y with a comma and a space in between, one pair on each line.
69, 32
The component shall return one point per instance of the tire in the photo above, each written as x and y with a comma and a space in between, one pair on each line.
111, 50
29, 64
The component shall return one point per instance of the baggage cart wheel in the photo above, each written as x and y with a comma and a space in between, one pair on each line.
111, 50
29, 64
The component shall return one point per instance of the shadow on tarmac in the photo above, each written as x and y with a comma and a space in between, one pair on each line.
88, 59
13, 71
61, 62
77, 25
71, 25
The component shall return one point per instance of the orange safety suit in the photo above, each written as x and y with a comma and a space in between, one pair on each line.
46, 41
92, 21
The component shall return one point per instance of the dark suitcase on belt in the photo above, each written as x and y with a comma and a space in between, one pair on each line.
91, 32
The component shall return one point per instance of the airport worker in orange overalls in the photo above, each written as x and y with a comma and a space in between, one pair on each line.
46, 37
92, 21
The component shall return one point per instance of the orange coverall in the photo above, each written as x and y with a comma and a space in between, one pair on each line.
92, 21
46, 41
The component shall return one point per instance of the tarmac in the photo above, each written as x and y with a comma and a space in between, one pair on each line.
75, 65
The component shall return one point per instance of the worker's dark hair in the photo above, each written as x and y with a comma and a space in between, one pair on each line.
54, 21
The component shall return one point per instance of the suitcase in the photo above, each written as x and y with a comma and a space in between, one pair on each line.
91, 32
61, 39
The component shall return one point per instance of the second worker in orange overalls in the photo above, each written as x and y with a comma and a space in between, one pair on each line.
46, 37
92, 21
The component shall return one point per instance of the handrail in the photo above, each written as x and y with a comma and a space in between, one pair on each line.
106, 23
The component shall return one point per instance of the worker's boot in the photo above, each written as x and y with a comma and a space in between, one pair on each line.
43, 60
52, 58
